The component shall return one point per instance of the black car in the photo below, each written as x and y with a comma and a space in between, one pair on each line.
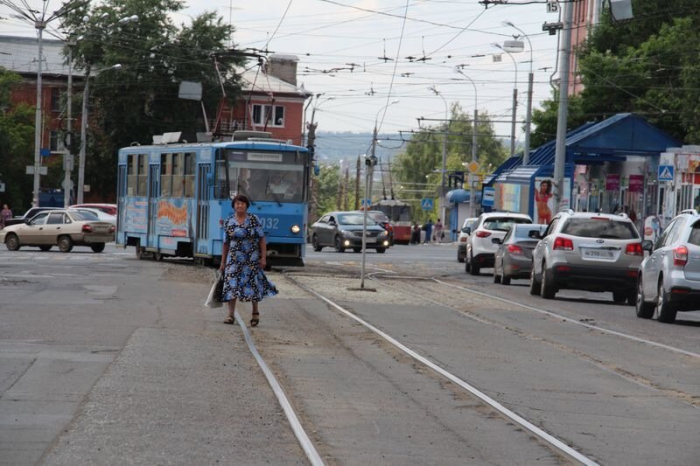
28, 215
343, 230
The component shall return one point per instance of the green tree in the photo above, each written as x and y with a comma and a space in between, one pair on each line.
418, 171
646, 66
141, 99
16, 146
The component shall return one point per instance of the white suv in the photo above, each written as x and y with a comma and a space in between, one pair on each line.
588, 251
669, 279
481, 250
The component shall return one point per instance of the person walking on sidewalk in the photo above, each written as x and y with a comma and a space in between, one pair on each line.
244, 258
428, 230
5, 214
439, 231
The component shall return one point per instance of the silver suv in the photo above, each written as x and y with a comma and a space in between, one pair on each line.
669, 279
481, 250
588, 251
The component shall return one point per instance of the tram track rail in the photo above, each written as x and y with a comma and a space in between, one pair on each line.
552, 441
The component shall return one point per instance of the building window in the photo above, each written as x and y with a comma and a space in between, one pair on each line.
56, 99
56, 142
272, 115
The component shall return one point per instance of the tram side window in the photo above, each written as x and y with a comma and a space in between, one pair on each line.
189, 175
142, 175
221, 188
136, 176
166, 174
178, 174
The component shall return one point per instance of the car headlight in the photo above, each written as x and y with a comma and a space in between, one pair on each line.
295, 229
384, 233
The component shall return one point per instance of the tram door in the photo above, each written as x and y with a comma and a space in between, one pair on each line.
153, 197
121, 198
203, 213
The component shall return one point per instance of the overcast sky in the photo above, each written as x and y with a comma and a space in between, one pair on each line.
356, 54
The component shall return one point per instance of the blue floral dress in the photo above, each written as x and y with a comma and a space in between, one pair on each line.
244, 280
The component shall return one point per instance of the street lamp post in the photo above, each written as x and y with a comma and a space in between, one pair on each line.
83, 130
530, 80
443, 208
515, 100
472, 203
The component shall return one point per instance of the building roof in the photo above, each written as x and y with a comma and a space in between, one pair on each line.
19, 54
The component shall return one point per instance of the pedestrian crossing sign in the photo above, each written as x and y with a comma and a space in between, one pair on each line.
366, 202
665, 173
426, 203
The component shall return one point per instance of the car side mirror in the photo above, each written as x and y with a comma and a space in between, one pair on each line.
496, 240
467, 230
647, 245
332, 223
534, 234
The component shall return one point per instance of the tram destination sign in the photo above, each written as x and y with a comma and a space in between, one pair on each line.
264, 157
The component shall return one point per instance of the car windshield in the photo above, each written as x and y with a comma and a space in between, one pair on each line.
378, 217
599, 228
503, 223
354, 219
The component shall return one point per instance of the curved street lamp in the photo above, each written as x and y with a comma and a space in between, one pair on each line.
530, 80
443, 208
472, 203
515, 98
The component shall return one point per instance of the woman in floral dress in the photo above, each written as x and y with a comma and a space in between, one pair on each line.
245, 252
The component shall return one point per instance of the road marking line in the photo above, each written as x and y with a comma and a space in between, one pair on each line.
573, 321
558, 444
299, 431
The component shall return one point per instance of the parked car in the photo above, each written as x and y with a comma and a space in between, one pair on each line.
343, 230
467, 227
381, 218
669, 278
64, 228
588, 251
28, 215
481, 251
97, 214
514, 255
110, 209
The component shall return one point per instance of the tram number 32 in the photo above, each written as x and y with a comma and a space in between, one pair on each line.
269, 223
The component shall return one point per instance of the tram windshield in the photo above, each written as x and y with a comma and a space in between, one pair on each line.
396, 212
265, 176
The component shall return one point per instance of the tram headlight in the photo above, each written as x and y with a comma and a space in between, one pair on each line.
295, 229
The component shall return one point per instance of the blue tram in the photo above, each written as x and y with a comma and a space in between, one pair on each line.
173, 198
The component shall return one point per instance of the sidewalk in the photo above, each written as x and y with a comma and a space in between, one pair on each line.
180, 397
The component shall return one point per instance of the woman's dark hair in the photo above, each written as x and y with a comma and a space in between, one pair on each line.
549, 185
242, 198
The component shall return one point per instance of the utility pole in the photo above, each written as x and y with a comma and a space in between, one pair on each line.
40, 25
560, 148
357, 184
370, 162
83, 138
470, 177
68, 157
346, 189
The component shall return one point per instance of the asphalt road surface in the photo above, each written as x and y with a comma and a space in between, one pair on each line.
105, 359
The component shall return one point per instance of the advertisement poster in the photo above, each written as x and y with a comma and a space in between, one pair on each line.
135, 216
509, 196
652, 228
636, 183
173, 218
544, 207
612, 183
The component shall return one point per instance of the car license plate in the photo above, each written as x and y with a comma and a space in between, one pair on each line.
597, 254
370, 240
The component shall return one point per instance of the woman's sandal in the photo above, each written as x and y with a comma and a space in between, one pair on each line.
229, 320
255, 320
